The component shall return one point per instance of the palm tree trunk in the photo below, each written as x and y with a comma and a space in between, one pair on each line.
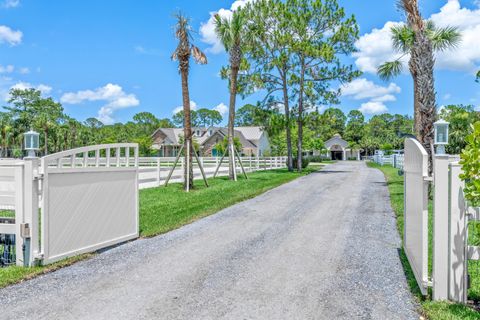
287, 120
300, 117
187, 129
423, 62
231, 121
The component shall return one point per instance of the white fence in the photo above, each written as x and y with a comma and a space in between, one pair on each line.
153, 171
81, 201
394, 160
451, 215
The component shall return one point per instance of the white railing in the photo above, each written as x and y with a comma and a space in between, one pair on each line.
154, 171
394, 160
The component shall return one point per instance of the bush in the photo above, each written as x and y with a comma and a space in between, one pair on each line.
471, 166
305, 162
317, 158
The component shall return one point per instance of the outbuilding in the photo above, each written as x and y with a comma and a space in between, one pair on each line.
338, 149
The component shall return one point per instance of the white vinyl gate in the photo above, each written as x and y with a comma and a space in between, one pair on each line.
416, 210
87, 199
88, 205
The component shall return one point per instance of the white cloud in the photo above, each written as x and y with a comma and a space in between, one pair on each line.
10, 3
207, 29
373, 107
45, 89
7, 69
24, 70
447, 96
147, 51
10, 36
112, 94
362, 88
222, 108
375, 47
193, 106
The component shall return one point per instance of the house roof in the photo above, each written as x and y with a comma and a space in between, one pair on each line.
336, 140
251, 133
173, 135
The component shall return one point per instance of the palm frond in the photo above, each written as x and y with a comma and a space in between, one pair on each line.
223, 31
390, 69
444, 38
402, 38
199, 56
478, 76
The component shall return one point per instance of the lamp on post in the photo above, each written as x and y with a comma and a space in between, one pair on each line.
441, 135
32, 143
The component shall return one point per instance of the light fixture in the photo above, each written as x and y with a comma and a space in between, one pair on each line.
32, 142
441, 135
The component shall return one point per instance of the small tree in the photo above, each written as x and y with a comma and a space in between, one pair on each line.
234, 35
185, 49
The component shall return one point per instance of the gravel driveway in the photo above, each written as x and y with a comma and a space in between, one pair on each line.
324, 246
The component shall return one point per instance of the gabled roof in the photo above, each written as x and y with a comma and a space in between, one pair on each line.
251, 133
173, 135
336, 140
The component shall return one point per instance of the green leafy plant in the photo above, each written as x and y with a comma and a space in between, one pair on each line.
470, 161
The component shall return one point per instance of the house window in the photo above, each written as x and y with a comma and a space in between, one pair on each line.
210, 133
198, 133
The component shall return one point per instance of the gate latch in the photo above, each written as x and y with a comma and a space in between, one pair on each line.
25, 230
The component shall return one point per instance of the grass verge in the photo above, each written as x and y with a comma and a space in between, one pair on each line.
165, 209
432, 310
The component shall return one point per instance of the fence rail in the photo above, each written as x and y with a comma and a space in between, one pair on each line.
394, 160
153, 171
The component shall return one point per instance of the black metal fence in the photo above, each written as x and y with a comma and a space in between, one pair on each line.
7, 250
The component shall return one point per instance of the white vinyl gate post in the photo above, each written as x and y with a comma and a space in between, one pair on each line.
440, 228
19, 213
31, 206
457, 237
159, 171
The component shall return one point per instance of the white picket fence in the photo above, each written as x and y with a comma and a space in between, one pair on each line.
394, 160
154, 171
451, 216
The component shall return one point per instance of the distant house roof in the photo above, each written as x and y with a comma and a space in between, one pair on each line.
336, 140
173, 135
251, 133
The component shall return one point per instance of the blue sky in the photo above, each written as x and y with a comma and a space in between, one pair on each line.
111, 58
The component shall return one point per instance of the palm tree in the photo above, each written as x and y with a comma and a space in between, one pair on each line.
403, 38
234, 36
5, 128
182, 54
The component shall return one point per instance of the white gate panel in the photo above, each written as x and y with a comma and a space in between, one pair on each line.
88, 208
416, 210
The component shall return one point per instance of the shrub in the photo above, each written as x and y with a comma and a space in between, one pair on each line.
317, 158
470, 161
305, 162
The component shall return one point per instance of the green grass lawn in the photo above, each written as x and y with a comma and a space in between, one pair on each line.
432, 310
165, 209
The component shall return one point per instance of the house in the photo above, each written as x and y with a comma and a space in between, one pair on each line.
254, 140
338, 149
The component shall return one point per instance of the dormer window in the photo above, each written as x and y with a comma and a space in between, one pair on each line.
198, 133
210, 132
